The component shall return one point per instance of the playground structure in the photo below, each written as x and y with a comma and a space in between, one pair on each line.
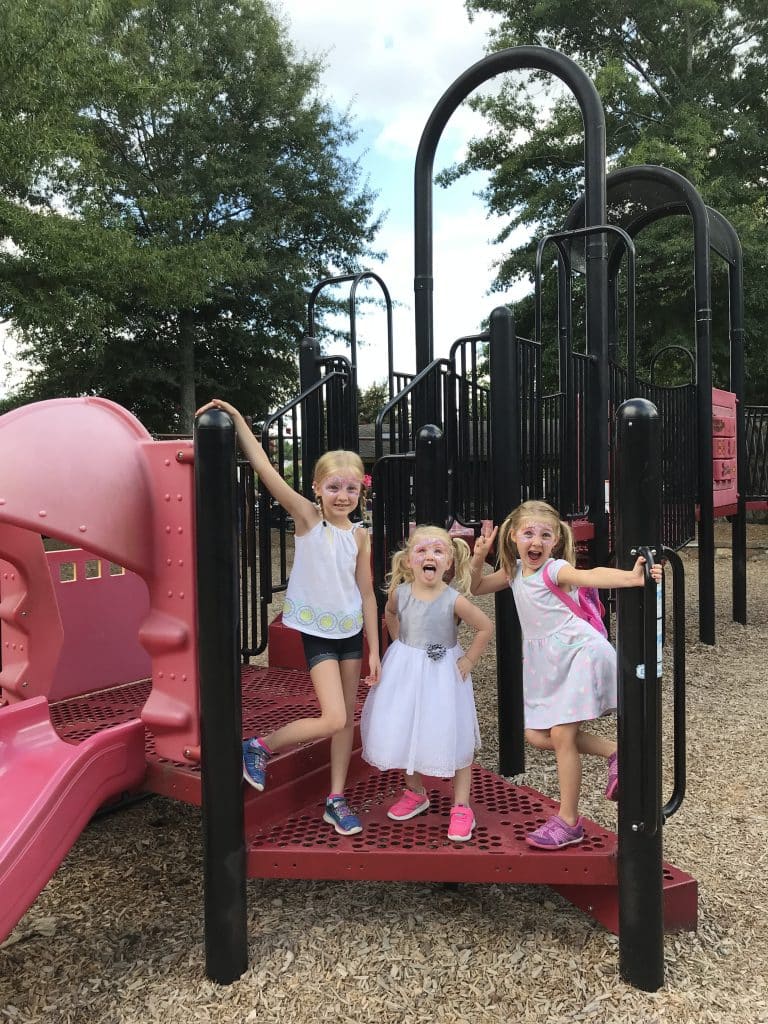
77, 731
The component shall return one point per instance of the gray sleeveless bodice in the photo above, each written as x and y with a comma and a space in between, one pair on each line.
423, 623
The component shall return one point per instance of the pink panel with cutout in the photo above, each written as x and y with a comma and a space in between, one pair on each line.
101, 612
84, 470
724, 466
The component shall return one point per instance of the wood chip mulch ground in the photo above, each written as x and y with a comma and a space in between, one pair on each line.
116, 937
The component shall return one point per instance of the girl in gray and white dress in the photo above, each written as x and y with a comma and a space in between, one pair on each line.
421, 716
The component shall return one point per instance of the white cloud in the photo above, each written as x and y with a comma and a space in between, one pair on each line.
392, 63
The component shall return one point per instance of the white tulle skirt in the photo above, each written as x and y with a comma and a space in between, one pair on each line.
421, 716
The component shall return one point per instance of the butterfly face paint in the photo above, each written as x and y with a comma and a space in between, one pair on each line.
430, 550
535, 542
334, 486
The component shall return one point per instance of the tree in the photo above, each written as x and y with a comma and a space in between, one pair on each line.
684, 85
170, 185
371, 401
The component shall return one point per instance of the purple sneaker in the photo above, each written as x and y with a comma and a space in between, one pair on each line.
612, 786
556, 834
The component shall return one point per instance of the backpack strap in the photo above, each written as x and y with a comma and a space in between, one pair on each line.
565, 598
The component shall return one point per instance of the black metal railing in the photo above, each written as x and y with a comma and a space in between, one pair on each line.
393, 511
677, 412
425, 397
553, 447
531, 453
471, 482
756, 444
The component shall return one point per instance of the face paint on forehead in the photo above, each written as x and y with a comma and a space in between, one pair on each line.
433, 548
330, 484
538, 527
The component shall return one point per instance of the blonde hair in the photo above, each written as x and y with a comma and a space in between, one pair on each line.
337, 461
530, 511
401, 572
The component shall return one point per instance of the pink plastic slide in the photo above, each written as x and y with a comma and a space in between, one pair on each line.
49, 790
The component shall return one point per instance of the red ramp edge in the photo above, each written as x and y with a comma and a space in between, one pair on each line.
50, 790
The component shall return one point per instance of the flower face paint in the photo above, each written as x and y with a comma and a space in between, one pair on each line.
428, 549
429, 558
333, 487
535, 542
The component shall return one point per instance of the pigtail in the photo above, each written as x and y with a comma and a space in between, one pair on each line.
566, 546
462, 570
507, 547
399, 573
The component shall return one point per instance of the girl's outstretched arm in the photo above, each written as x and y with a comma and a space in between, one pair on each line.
483, 627
480, 584
303, 511
606, 578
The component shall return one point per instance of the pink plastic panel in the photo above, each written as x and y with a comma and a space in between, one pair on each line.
169, 634
86, 471
724, 469
32, 634
72, 468
102, 607
50, 791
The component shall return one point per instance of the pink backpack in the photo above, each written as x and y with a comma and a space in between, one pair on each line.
589, 606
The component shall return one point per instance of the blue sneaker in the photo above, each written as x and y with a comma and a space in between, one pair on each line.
338, 814
255, 760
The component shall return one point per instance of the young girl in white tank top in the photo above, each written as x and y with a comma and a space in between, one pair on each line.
329, 600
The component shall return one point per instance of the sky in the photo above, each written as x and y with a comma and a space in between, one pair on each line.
389, 64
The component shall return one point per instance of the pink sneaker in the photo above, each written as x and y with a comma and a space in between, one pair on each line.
408, 806
462, 823
555, 834
612, 786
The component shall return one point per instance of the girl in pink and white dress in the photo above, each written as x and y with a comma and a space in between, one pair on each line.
569, 668
421, 716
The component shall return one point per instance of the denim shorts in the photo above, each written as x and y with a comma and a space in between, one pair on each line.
331, 648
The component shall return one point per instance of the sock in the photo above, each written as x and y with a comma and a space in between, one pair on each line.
263, 745
335, 796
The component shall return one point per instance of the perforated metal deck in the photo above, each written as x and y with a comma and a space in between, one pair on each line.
287, 838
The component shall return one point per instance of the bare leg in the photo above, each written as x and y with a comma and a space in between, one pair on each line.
591, 743
326, 678
586, 742
462, 781
415, 783
568, 769
341, 741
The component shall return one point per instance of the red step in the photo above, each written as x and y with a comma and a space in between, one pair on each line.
287, 838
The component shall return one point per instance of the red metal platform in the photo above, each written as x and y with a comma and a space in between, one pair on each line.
287, 838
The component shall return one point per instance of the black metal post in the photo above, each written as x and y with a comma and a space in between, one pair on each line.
505, 476
739, 521
431, 476
311, 413
638, 508
224, 896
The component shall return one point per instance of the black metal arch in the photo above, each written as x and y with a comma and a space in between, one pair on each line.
593, 116
583, 89
649, 193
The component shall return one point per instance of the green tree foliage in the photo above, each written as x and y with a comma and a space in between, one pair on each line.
371, 401
684, 85
170, 185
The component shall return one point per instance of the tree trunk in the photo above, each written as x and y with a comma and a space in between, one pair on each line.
187, 369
